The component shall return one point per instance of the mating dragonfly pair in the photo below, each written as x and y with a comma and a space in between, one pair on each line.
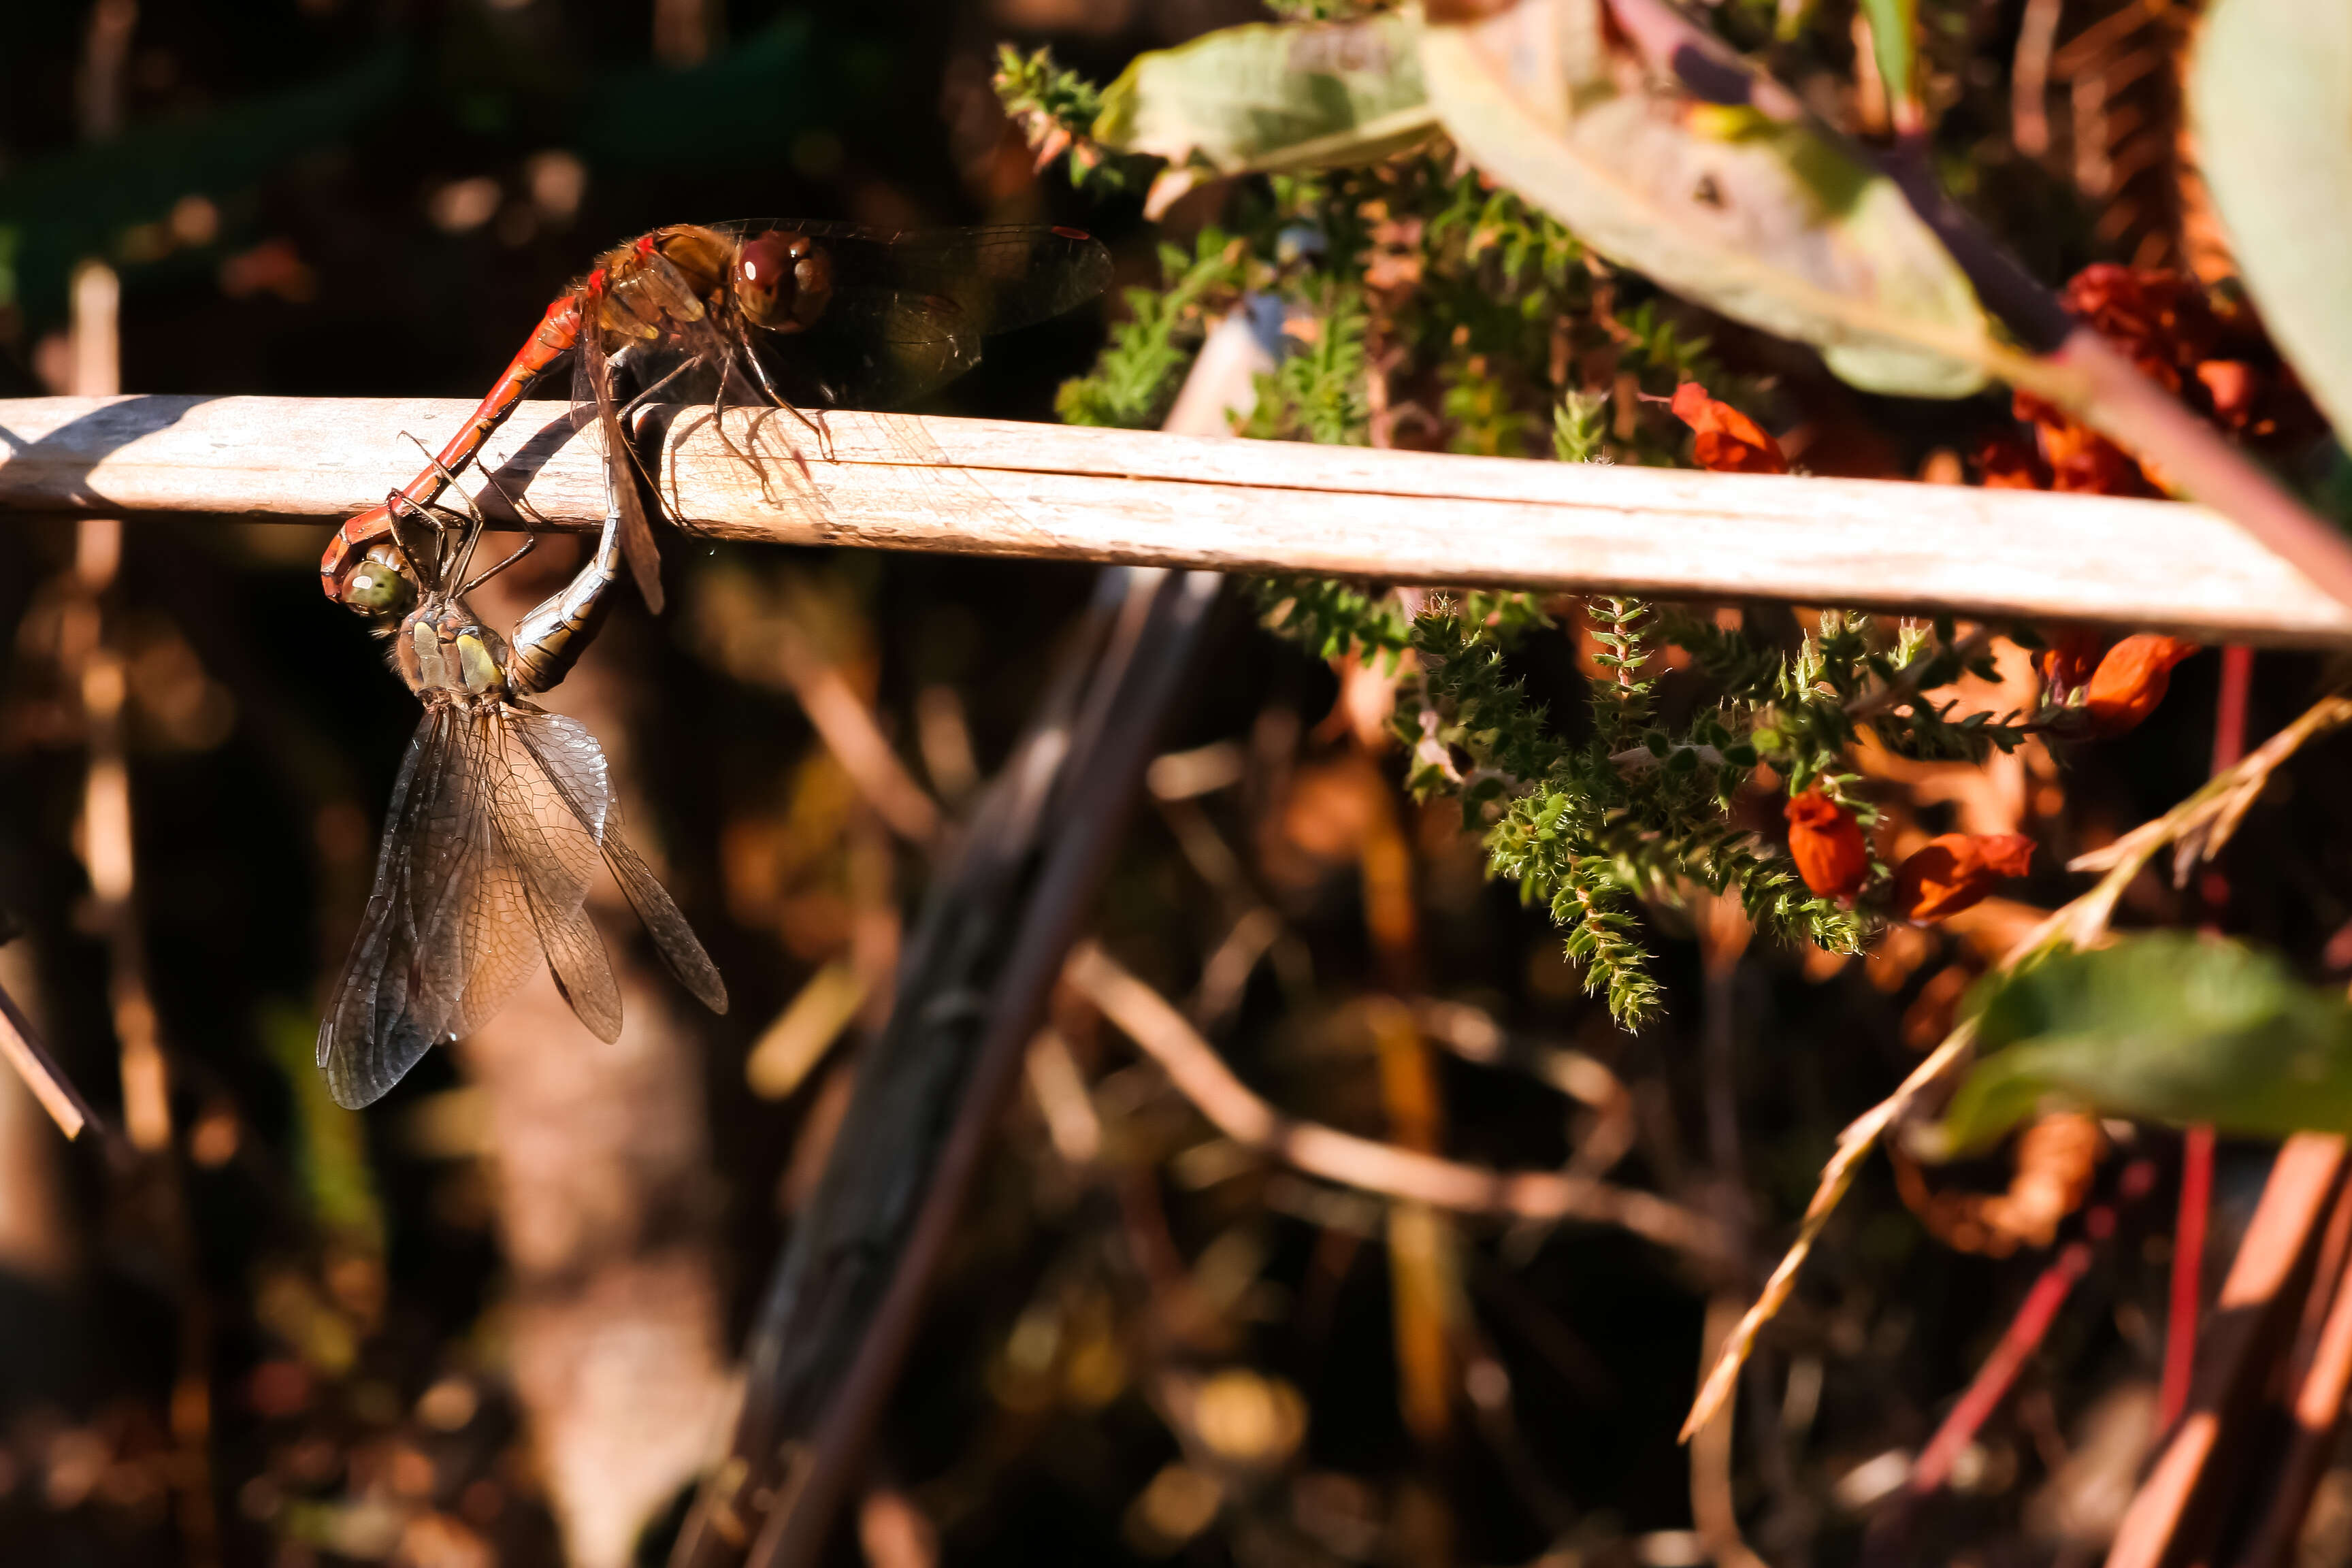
503, 811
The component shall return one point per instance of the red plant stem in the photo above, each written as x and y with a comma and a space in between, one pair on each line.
2000, 1370
2229, 708
2025, 1334
2197, 1148
2187, 1274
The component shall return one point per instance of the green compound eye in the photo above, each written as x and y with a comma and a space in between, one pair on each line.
377, 587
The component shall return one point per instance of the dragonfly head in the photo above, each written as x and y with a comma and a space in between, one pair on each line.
379, 586
781, 280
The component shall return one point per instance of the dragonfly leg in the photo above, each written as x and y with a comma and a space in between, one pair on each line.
405, 516
817, 427
475, 521
530, 544
556, 335
727, 373
634, 403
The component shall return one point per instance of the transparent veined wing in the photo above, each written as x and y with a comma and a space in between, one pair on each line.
562, 747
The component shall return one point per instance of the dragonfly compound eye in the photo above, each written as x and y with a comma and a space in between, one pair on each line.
378, 587
783, 282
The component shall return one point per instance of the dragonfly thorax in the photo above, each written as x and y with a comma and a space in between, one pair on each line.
445, 650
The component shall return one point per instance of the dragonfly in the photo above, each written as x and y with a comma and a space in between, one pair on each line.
789, 317
500, 816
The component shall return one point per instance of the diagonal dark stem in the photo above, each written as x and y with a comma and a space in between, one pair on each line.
847, 1294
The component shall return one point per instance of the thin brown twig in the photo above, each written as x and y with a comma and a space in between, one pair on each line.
845, 1298
1472, 1034
1201, 1077
846, 724
1860, 1137
2208, 818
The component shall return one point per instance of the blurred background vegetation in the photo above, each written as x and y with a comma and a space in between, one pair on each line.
492, 1320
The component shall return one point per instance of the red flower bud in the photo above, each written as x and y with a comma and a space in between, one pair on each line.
1946, 875
1825, 841
1728, 441
2131, 680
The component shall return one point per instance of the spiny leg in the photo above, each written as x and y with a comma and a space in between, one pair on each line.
530, 544
403, 512
718, 410
473, 514
632, 405
475, 521
817, 427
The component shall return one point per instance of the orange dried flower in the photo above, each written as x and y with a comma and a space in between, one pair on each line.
1949, 874
2213, 355
2008, 463
1825, 841
2078, 458
2131, 680
2162, 320
1728, 441
2068, 663
2232, 388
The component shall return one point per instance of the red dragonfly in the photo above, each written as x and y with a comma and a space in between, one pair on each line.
779, 315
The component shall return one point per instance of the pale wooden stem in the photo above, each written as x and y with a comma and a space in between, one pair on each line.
1192, 1065
23, 1050
984, 486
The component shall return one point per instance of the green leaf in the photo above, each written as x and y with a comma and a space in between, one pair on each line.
1265, 97
2166, 1027
2270, 96
1893, 35
1774, 222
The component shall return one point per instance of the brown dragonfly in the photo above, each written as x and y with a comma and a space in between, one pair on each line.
786, 316
498, 819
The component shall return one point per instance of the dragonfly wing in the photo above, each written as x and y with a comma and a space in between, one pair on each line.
593, 385
565, 749
673, 938
574, 765
401, 989
553, 854
1001, 277
873, 348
